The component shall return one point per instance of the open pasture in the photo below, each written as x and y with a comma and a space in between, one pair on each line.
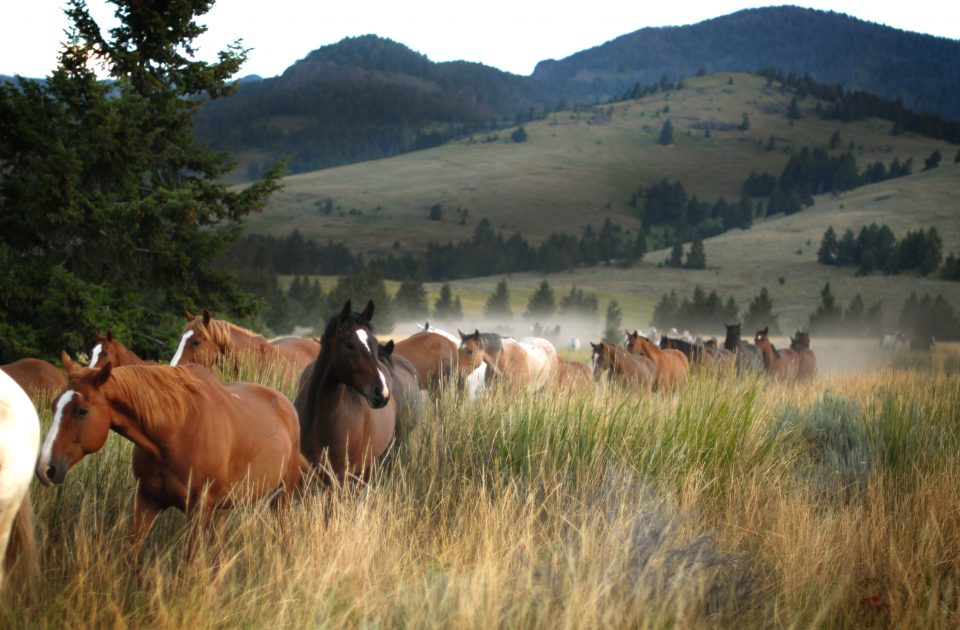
736, 501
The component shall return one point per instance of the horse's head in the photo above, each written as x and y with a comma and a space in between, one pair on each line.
603, 356
471, 352
636, 343
198, 343
800, 340
762, 338
352, 354
104, 350
81, 422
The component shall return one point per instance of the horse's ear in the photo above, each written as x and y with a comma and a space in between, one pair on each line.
68, 365
103, 374
476, 333
109, 335
388, 347
463, 337
368, 311
596, 346
206, 317
345, 312
186, 313
766, 331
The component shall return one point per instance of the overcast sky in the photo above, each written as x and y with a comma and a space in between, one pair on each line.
512, 36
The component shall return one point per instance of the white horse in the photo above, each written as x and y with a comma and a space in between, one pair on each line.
426, 327
890, 343
573, 343
543, 361
19, 444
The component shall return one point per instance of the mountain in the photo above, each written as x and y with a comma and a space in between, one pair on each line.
830, 47
369, 97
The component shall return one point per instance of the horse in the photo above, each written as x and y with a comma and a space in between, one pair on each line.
700, 353
36, 376
109, 349
530, 363
572, 373
800, 343
19, 442
632, 369
892, 343
745, 354
349, 408
433, 353
206, 341
406, 388
199, 446
783, 364
672, 365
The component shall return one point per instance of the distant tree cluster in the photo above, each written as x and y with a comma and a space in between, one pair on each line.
876, 248
929, 318
951, 268
849, 105
856, 320
701, 310
696, 257
666, 203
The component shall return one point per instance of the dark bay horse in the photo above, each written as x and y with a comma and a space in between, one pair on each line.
672, 365
198, 445
800, 343
351, 406
208, 341
783, 365
747, 356
530, 363
630, 369
36, 376
109, 349
433, 354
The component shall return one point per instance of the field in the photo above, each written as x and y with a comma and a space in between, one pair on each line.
575, 168
736, 502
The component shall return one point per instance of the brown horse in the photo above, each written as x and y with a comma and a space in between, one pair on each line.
197, 443
672, 365
349, 408
783, 365
530, 363
432, 353
800, 343
705, 354
36, 377
108, 349
208, 341
573, 374
632, 369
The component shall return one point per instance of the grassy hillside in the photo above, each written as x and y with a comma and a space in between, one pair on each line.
575, 168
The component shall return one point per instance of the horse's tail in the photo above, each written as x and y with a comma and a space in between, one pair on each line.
20, 562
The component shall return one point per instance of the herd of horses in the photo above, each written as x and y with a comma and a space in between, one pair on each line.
201, 446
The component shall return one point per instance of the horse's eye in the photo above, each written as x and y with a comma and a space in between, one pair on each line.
196, 343
80, 412
105, 354
351, 346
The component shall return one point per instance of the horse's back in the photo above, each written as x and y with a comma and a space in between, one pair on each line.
573, 373
36, 375
406, 390
543, 360
433, 356
808, 363
297, 351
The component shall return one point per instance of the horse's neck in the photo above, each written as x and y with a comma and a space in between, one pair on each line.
131, 358
769, 355
241, 340
732, 343
128, 422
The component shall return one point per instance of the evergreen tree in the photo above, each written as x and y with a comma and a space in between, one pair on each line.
827, 254
826, 319
359, 288
666, 133
444, 308
410, 302
760, 314
696, 257
853, 316
112, 213
665, 312
498, 304
932, 254
793, 111
932, 161
745, 122
578, 303
542, 303
676, 256
519, 134
612, 322
834, 140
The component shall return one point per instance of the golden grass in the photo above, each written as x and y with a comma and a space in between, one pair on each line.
730, 502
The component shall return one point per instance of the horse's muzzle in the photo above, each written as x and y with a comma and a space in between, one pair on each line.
53, 473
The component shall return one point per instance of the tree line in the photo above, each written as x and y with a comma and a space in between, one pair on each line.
876, 249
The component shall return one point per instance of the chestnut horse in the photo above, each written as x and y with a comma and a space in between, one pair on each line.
207, 341
36, 376
109, 349
800, 343
19, 441
573, 373
198, 445
530, 363
433, 353
632, 369
351, 407
672, 365
783, 365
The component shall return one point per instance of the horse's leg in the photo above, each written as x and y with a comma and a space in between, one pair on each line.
145, 511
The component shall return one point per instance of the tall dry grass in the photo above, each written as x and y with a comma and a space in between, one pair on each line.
732, 502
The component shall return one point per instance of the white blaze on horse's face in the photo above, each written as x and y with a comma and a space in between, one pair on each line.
364, 338
47, 450
183, 344
95, 354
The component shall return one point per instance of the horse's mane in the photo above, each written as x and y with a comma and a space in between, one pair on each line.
221, 331
160, 396
491, 341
